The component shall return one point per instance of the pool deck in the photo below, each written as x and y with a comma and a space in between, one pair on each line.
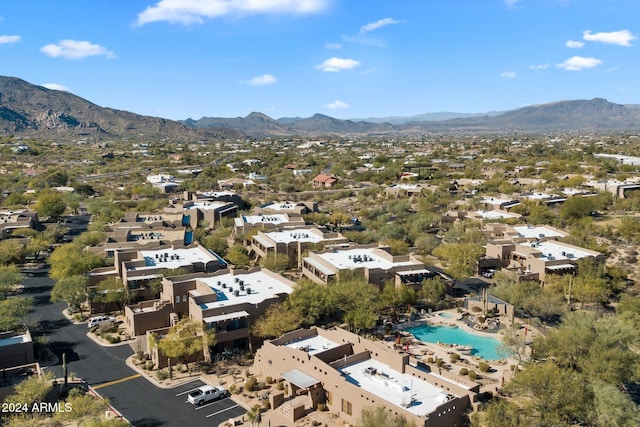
500, 368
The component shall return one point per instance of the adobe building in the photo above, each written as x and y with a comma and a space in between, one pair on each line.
291, 208
522, 233
247, 223
539, 258
12, 220
349, 373
226, 301
374, 262
137, 268
16, 349
292, 242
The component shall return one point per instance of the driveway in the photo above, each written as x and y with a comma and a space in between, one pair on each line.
104, 368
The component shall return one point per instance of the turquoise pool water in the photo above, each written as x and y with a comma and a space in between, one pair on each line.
486, 347
447, 315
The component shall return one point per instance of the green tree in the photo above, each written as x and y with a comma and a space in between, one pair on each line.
11, 251
72, 289
12, 311
277, 263
85, 407
72, 260
577, 207
33, 389
186, 340
613, 408
499, 413
238, 256
539, 385
311, 301
433, 290
379, 416
277, 320
461, 258
111, 291
50, 204
10, 276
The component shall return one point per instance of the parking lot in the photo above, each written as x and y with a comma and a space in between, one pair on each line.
212, 413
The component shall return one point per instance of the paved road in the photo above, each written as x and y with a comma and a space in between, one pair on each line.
143, 404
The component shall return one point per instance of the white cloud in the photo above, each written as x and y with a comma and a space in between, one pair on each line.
337, 64
621, 38
337, 105
572, 44
56, 86
372, 26
75, 49
9, 39
509, 74
333, 46
196, 11
539, 67
263, 80
577, 63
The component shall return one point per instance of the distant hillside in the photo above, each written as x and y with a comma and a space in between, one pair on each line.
577, 115
426, 117
35, 110
27, 109
261, 124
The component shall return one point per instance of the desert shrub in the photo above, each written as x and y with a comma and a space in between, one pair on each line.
113, 339
280, 385
162, 374
233, 389
455, 357
321, 407
268, 380
473, 375
148, 365
251, 383
430, 360
463, 371
316, 423
484, 367
266, 405
439, 362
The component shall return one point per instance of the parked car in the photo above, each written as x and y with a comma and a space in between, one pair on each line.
100, 320
206, 393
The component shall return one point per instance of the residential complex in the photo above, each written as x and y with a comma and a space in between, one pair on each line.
349, 373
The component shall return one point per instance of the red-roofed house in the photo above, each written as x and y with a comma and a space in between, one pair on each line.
324, 180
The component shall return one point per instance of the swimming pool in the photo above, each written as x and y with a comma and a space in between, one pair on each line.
447, 315
486, 347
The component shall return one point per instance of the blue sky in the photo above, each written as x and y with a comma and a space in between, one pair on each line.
344, 58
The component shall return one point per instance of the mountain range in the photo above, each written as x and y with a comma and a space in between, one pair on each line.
27, 109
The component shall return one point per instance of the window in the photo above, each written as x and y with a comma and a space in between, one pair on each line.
346, 407
177, 299
184, 298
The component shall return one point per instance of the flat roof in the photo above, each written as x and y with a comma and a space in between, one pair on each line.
300, 378
281, 206
16, 339
300, 235
313, 345
531, 232
495, 200
259, 219
222, 317
405, 391
552, 250
262, 286
360, 257
495, 214
175, 258
214, 205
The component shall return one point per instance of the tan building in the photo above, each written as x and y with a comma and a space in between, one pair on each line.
16, 349
13, 220
324, 180
247, 223
291, 208
138, 267
349, 373
375, 262
521, 233
539, 258
226, 301
292, 242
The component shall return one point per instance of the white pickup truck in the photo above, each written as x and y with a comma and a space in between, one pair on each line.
206, 393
